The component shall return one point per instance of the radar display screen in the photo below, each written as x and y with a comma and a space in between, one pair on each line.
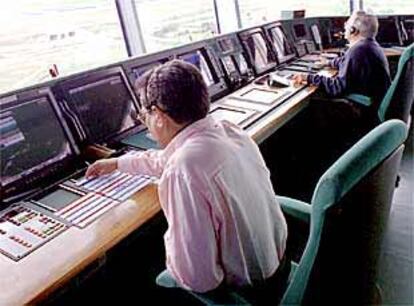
259, 54
299, 30
32, 136
283, 49
197, 59
388, 34
102, 105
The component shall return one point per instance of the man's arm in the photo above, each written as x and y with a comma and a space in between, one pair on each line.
191, 246
336, 62
150, 162
334, 86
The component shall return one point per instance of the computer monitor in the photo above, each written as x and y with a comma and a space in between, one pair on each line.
337, 31
407, 29
260, 56
317, 36
198, 59
230, 53
299, 31
201, 56
99, 105
34, 138
284, 50
388, 33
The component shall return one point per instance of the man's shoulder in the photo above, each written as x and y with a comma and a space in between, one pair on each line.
366, 46
365, 49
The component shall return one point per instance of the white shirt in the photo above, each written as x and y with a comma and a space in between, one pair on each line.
224, 223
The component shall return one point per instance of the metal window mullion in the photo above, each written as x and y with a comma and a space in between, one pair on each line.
216, 14
238, 16
131, 27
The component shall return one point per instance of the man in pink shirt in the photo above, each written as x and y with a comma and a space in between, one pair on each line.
225, 226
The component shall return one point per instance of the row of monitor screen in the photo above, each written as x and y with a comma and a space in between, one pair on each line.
33, 127
43, 126
46, 125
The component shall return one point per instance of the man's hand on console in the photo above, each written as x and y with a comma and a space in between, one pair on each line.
322, 62
300, 79
101, 167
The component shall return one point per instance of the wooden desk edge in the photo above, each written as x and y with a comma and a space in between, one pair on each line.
145, 201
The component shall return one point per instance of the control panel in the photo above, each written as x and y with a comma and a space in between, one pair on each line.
24, 229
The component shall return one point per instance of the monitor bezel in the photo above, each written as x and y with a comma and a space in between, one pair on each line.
302, 23
267, 30
240, 77
219, 88
65, 85
23, 96
142, 61
243, 35
394, 20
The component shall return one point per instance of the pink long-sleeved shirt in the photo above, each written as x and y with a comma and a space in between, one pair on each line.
224, 223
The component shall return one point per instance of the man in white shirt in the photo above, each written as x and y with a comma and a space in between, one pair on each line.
225, 226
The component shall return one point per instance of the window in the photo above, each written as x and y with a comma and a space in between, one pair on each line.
74, 35
389, 7
254, 12
168, 23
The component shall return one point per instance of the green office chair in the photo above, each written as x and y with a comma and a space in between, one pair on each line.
399, 98
347, 216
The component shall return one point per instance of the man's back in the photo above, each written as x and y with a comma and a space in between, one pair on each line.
230, 203
362, 70
367, 70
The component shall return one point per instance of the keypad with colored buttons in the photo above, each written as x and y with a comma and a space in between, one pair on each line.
22, 230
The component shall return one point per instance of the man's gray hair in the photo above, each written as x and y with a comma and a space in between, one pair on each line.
366, 24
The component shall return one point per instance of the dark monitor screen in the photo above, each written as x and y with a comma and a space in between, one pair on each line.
101, 105
231, 55
197, 59
282, 46
32, 136
299, 14
259, 54
407, 26
388, 32
299, 30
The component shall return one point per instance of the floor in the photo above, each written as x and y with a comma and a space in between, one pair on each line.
396, 275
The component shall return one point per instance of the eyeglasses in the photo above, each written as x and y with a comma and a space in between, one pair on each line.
142, 114
145, 110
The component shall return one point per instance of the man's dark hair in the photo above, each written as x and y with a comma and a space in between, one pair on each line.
177, 88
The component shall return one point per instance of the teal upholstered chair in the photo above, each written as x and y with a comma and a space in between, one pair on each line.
399, 98
347, 216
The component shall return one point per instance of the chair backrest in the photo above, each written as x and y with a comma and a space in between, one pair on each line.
350, 205
399, 98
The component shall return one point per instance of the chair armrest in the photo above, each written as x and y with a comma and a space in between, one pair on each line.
360, 99
295, 208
